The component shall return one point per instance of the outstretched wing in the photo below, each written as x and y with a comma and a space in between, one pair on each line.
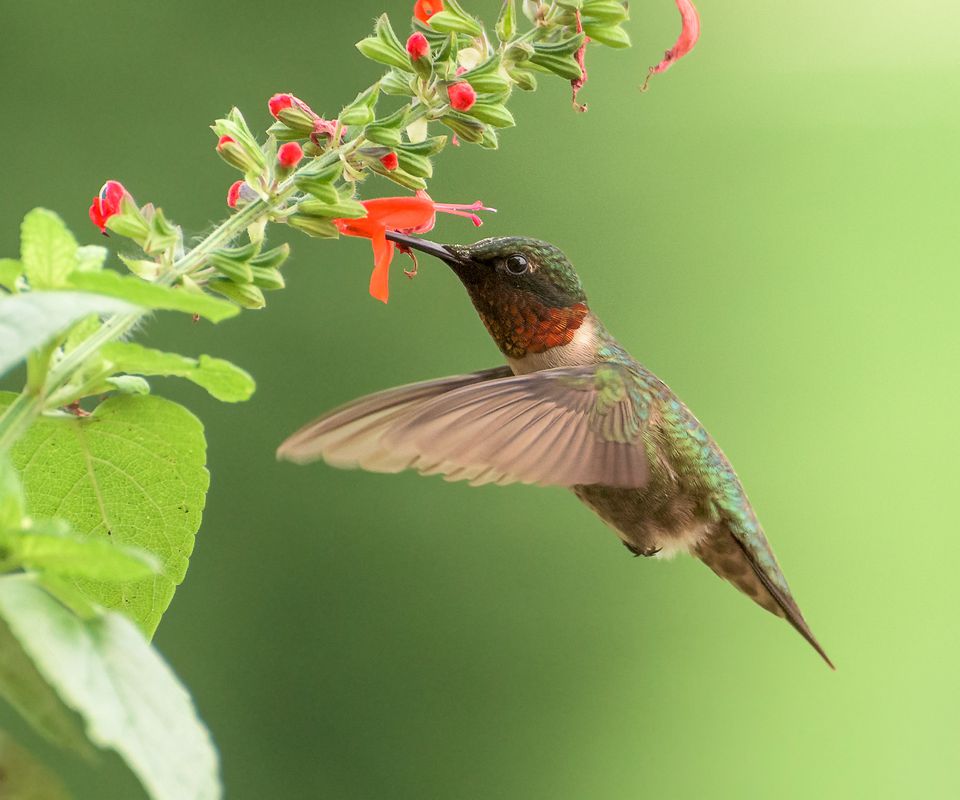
560, 427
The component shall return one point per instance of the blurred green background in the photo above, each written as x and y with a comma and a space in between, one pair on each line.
773, 229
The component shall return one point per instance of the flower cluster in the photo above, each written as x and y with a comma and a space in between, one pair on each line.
448, 71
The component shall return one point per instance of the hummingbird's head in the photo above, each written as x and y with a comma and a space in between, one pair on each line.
526, 291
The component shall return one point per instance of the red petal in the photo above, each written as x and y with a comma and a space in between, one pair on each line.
382, 256
424, 9
687, 39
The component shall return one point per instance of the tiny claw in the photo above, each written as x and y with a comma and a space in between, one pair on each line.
410, 273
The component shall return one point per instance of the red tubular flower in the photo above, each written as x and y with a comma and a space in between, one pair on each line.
233, 194
106, 204
689, 34
418, 46
462, 96
289, 154
390, 161
404, 215
424, 9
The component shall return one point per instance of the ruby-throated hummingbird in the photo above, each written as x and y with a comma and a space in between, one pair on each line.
571, 408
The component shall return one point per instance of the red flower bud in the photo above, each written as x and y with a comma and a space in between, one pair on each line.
279, 102
418, 46
225, 140
462, 96
233, 194
106, 204
390, 161
424, 9
289, 154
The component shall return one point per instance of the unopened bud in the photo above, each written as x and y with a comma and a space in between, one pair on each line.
462, 96
289, 154
235, 155
390, 161
418, 46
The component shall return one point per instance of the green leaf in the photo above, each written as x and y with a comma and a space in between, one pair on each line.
506, 23
126, 384
128, 696
47, 249
24, 777
131, 473
11, 497
219, 377
91, 258
30, 320
151, 295
10, 270
31, 696
52, 548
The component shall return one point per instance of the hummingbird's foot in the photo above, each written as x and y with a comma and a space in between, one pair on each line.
410, 273
646, 552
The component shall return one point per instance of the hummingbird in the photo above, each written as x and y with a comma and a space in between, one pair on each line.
572, 408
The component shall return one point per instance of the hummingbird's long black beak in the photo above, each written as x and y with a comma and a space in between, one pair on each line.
440, 251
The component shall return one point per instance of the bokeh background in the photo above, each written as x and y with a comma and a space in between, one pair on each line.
773, 229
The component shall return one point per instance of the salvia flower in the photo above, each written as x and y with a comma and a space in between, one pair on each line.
390, 161
289, 154
106, 204
462, 96
416, 214
418, 46
689, 34
424, 9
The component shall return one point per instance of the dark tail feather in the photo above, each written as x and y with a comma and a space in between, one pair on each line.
727, 557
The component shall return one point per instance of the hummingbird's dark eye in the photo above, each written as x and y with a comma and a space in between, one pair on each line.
516, 264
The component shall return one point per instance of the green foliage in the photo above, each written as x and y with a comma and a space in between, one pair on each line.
132, 473
47, 249
223, 380
130, 701
29, 320
152, 295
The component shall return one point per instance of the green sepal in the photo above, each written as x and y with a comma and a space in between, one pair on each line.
396, 83
564, 66
416, 165
267, 278
495, 114
507, 21
318, 227
360, 111
245, 295
129, 222
467, 128
490, 139
235, 126
524, 78
296, 119
399, 176
162, 234
284, 134
384, 46
565, 47
454, 19
571, 5
609, 35
428, 147
486, 77
271, 259
388, 137
141, 267
234, 269
449, 48
608, 12
344, 208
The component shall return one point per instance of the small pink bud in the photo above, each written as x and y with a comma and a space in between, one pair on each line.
289, 154
462, 96
390, 161
233, 194
418, 46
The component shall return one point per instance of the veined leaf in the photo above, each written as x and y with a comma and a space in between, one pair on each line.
10, 270
129, 698
132, 473
152, 295
31, 319
225, 381
47, 249
91, 258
